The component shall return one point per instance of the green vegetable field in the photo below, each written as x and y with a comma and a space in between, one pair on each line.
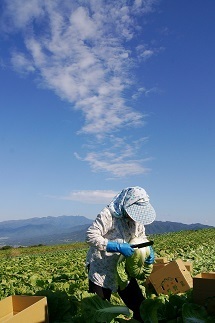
58, 272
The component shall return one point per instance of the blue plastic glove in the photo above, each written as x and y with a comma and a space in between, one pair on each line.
151, 258
124, 248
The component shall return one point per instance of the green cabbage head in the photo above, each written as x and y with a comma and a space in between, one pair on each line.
135, 265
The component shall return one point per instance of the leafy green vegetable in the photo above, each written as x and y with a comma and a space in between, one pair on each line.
122, 276
135, 265
149, 309
163, 308
61, 307
28, 270
193, 313
120, 320
95, 309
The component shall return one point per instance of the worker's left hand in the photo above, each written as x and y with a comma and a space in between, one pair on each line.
151, 258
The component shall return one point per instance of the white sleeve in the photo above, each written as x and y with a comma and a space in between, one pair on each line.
100, 227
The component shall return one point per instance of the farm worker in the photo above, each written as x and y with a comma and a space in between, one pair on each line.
109, 235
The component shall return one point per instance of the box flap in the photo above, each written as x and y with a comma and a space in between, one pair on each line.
6, 307
24, 309
210, 275
21, 302
162, 260
35, 313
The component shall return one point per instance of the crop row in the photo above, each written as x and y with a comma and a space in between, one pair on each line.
59, 273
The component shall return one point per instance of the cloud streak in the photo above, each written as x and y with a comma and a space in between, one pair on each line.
89, 196
118, 158
78, 49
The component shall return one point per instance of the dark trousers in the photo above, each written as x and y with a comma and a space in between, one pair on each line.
132, 296
104, 293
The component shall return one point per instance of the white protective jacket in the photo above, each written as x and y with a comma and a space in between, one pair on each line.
103, 264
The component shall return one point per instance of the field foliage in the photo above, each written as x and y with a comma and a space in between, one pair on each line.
59, 273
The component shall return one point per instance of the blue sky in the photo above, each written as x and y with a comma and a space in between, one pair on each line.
100, 95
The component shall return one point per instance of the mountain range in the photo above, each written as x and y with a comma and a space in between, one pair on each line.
66, 229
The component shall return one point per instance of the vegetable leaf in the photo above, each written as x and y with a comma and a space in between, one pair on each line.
95, 310
193, 313
135, 265
149, 309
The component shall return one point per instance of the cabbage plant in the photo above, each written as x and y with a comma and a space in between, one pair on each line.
135, 265
97, 310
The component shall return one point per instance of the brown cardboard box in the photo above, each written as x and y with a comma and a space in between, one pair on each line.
24, 309
204, 290
189, 266
173, 277
159, 263
162, 260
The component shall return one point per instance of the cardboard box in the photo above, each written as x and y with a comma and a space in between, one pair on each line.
189, 266
162, 260
24, 309
159, 263
204, 290
173, 277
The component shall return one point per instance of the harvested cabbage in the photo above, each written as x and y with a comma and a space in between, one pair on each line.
122, 276
135, 265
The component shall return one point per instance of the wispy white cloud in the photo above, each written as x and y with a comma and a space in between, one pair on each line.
89, 196
78, 49
120, 159
119, 167
146, 92
20, 13
144, 52
21, 63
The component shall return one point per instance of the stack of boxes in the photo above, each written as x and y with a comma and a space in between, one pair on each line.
175, 277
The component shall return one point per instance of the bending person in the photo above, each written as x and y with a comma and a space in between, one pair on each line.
109, 235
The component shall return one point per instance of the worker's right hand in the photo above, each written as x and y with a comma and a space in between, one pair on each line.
124, 248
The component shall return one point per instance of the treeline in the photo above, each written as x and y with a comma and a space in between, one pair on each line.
11, 247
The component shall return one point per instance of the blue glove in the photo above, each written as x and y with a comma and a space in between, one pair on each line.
123, 248
151, 258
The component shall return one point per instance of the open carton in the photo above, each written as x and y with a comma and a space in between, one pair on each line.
161, 262
24, 309
173, 277
204, 290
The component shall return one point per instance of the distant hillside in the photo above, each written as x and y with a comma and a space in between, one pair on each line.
163, 227
46, 230
66, 229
